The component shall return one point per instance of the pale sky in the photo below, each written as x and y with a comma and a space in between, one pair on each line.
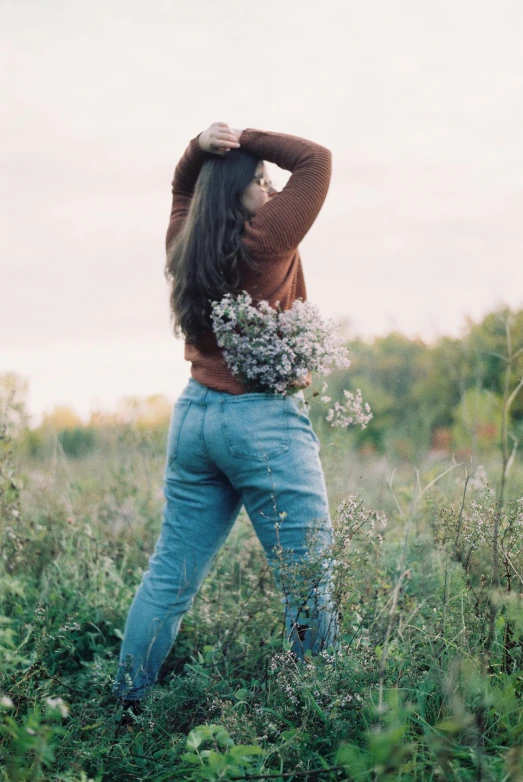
420, 101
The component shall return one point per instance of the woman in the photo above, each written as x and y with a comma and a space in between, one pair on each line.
230, 231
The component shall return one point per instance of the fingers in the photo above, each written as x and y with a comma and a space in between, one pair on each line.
226, 135
220, 128
221, 138
224, 144
229, 145
221, 133
221, 152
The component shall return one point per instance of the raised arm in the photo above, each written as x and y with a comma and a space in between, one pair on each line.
185, 176
217, 139
281, 224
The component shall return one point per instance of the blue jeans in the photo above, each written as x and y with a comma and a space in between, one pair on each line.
223, 451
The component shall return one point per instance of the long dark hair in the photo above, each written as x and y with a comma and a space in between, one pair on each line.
204, 260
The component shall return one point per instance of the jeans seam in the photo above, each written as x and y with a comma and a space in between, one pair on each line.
202, 438
171, 457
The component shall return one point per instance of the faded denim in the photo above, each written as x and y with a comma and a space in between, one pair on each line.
223, 451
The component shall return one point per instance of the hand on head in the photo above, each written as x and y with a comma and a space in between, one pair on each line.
219, 138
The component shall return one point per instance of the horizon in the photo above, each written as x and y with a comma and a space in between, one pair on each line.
109, 406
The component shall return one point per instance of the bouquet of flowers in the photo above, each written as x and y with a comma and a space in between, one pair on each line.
274, 350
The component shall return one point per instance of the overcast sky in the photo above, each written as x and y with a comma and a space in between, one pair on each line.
420, 101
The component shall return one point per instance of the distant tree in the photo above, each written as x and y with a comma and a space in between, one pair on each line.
442, 380
477, 421
101, 419
60, 418
77, 442
387, 370
489, 343
63, 423
416, 389
145, 412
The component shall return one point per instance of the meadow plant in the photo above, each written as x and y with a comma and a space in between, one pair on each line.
423, 686
274, 350
270, 348
487, 541
351, 411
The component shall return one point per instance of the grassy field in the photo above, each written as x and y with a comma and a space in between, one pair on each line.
427, 684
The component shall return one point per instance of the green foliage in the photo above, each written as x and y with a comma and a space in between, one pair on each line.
29, 747
426, 683
77, 442
13, 395
416, 689
9, 487
224, 759
416, 389
477, 420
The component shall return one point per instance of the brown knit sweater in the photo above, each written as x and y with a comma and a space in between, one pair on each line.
271, 237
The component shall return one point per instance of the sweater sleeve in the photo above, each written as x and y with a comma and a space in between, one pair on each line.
281, 224
185, 176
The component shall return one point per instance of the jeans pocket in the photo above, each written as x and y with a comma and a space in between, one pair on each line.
178, 417
255, 426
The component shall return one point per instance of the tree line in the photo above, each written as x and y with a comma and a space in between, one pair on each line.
447, 396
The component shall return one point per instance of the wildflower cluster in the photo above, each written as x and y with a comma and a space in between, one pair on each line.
273, 350
352, 411
469, 532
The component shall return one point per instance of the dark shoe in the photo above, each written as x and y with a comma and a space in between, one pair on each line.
135, 706
131, 710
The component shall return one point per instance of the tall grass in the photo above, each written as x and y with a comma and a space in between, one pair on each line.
426, 685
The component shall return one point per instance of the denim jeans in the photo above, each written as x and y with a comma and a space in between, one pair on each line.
223, 451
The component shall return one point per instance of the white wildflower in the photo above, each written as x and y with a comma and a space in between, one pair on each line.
270, 348
274, 350
57, 704
351, 411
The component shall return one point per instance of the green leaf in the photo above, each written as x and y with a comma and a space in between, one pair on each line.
190, 757
243, 750
215, 759
223, 738
194, 739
